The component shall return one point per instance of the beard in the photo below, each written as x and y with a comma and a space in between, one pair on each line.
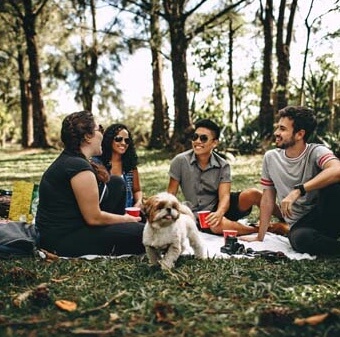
284, 144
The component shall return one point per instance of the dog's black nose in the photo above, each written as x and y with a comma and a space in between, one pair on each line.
168, 209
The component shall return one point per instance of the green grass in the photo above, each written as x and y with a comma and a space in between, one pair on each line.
126, 297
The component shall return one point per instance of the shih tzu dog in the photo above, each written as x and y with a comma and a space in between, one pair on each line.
169, 225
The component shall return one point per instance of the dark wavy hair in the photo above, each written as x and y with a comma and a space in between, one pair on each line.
129, 158
303, 119
74, 128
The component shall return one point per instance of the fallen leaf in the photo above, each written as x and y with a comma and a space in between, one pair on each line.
311, 320
113, 317
18, 300
63, 279
66, 305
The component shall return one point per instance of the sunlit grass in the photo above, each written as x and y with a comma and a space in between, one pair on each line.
212, 297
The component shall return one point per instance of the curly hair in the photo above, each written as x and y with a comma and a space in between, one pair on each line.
74, 128
302, 117
129, 158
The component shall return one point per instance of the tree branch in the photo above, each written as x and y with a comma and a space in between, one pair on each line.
40, 7
214, 19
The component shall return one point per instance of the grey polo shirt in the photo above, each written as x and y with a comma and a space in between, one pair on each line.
199, 186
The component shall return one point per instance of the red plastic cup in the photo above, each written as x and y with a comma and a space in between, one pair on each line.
229, 232
134, 211
201, 217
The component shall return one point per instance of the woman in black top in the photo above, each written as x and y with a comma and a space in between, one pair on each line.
81, 208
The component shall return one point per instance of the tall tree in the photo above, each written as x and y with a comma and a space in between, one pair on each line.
86, 62
149, 13
27, 136
309, 25
283, 50
176, 15
266, 116
211, 56
92, 55
232, 106
161, 124
27, 12
14, 71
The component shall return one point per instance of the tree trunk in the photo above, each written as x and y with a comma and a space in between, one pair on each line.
25, 103
282, 52
305, 55
182, 127
90, 59
266, 116
161, 124
39, 118
230, 73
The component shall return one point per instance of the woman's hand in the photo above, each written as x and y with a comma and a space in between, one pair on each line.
129, 218
249, 238
138, 204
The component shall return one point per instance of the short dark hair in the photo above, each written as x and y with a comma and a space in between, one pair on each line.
303, 119
208, 124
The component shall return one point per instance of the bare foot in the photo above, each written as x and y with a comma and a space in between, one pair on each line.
280, 228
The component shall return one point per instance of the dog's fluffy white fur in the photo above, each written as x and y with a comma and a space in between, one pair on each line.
169, 224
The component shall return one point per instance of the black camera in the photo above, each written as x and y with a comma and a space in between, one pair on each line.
232, 246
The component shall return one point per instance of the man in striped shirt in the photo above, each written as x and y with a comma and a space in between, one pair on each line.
305, 178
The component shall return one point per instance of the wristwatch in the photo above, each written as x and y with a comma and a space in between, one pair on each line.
301, 188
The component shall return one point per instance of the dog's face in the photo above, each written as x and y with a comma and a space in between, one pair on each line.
162, 209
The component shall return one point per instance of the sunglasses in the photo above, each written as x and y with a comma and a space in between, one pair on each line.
119, 139
202, 138
100, 129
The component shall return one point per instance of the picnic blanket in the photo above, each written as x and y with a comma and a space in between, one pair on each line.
213, 244
272, 242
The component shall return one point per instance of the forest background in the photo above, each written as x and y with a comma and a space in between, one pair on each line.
229, 60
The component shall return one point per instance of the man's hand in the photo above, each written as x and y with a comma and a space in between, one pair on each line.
214, 219
288, 201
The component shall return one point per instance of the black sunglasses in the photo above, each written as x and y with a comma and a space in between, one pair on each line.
100, 129
202, 138
119, 139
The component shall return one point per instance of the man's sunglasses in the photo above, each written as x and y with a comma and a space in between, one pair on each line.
202, 138
119, 139
100, 129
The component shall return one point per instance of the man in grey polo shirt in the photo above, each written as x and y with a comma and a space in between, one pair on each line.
205, 181
305, 178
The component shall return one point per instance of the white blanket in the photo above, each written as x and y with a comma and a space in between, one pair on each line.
273, 242
213, 244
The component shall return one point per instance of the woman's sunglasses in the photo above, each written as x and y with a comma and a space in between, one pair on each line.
202, 138
119, 139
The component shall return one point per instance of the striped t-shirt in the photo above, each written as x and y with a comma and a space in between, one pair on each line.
281, 173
